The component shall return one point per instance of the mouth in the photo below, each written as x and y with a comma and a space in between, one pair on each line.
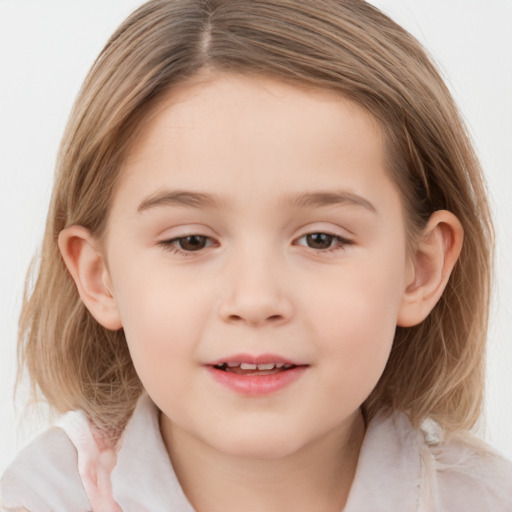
256, 375
250, 369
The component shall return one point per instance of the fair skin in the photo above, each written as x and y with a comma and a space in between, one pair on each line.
277, 264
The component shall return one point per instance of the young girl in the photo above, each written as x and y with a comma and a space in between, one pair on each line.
265, 276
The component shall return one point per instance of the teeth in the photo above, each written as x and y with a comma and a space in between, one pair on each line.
269, 366
247, 366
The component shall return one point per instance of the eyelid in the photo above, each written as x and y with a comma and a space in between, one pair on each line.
329, 228
343, 241
171, 244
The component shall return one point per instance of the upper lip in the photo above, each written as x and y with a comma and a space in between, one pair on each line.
254, 359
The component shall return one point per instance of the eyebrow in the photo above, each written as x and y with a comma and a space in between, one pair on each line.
204, 200
179, 198
328, 198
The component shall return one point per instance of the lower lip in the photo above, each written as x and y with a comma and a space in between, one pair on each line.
257, 385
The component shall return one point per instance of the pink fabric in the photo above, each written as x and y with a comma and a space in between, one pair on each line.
96, 460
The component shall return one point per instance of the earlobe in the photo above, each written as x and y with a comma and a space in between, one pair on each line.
87, 266
432, 263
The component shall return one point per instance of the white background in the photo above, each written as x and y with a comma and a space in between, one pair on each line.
46, 48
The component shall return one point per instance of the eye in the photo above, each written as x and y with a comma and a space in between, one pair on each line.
187, 244
323, 241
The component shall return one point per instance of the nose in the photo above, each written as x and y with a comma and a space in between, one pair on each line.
255, 292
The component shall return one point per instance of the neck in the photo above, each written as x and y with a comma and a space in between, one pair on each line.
317, 477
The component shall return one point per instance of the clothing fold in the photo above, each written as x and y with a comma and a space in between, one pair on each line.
400, 469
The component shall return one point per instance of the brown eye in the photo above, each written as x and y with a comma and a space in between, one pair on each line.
192, 242
324, 242
319, 240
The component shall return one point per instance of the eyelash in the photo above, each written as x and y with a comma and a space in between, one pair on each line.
172, 244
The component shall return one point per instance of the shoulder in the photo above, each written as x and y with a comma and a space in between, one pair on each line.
464, 473
44, 477
403, 469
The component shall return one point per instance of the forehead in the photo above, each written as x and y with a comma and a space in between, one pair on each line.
219, 103
255, 137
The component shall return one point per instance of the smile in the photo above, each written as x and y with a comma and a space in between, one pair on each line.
254, 369
256, 376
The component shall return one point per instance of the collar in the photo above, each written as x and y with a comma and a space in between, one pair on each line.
144, 480
389, 474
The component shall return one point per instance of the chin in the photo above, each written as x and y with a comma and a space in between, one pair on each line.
263, 445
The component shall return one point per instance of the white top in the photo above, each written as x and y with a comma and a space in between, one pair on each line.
400, 469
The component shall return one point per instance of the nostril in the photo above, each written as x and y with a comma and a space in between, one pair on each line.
271, 318
248, 310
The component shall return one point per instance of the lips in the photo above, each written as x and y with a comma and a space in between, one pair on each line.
254, 369
256, 375
260, 359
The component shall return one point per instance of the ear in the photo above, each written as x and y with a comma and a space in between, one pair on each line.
432, 263
86, 264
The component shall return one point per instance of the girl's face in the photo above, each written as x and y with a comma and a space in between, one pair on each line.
255, 223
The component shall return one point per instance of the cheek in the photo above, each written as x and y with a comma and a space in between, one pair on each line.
356, 321
161, 320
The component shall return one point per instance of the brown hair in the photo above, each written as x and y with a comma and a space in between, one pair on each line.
436, 368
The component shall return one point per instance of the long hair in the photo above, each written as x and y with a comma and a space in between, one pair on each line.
436, 369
